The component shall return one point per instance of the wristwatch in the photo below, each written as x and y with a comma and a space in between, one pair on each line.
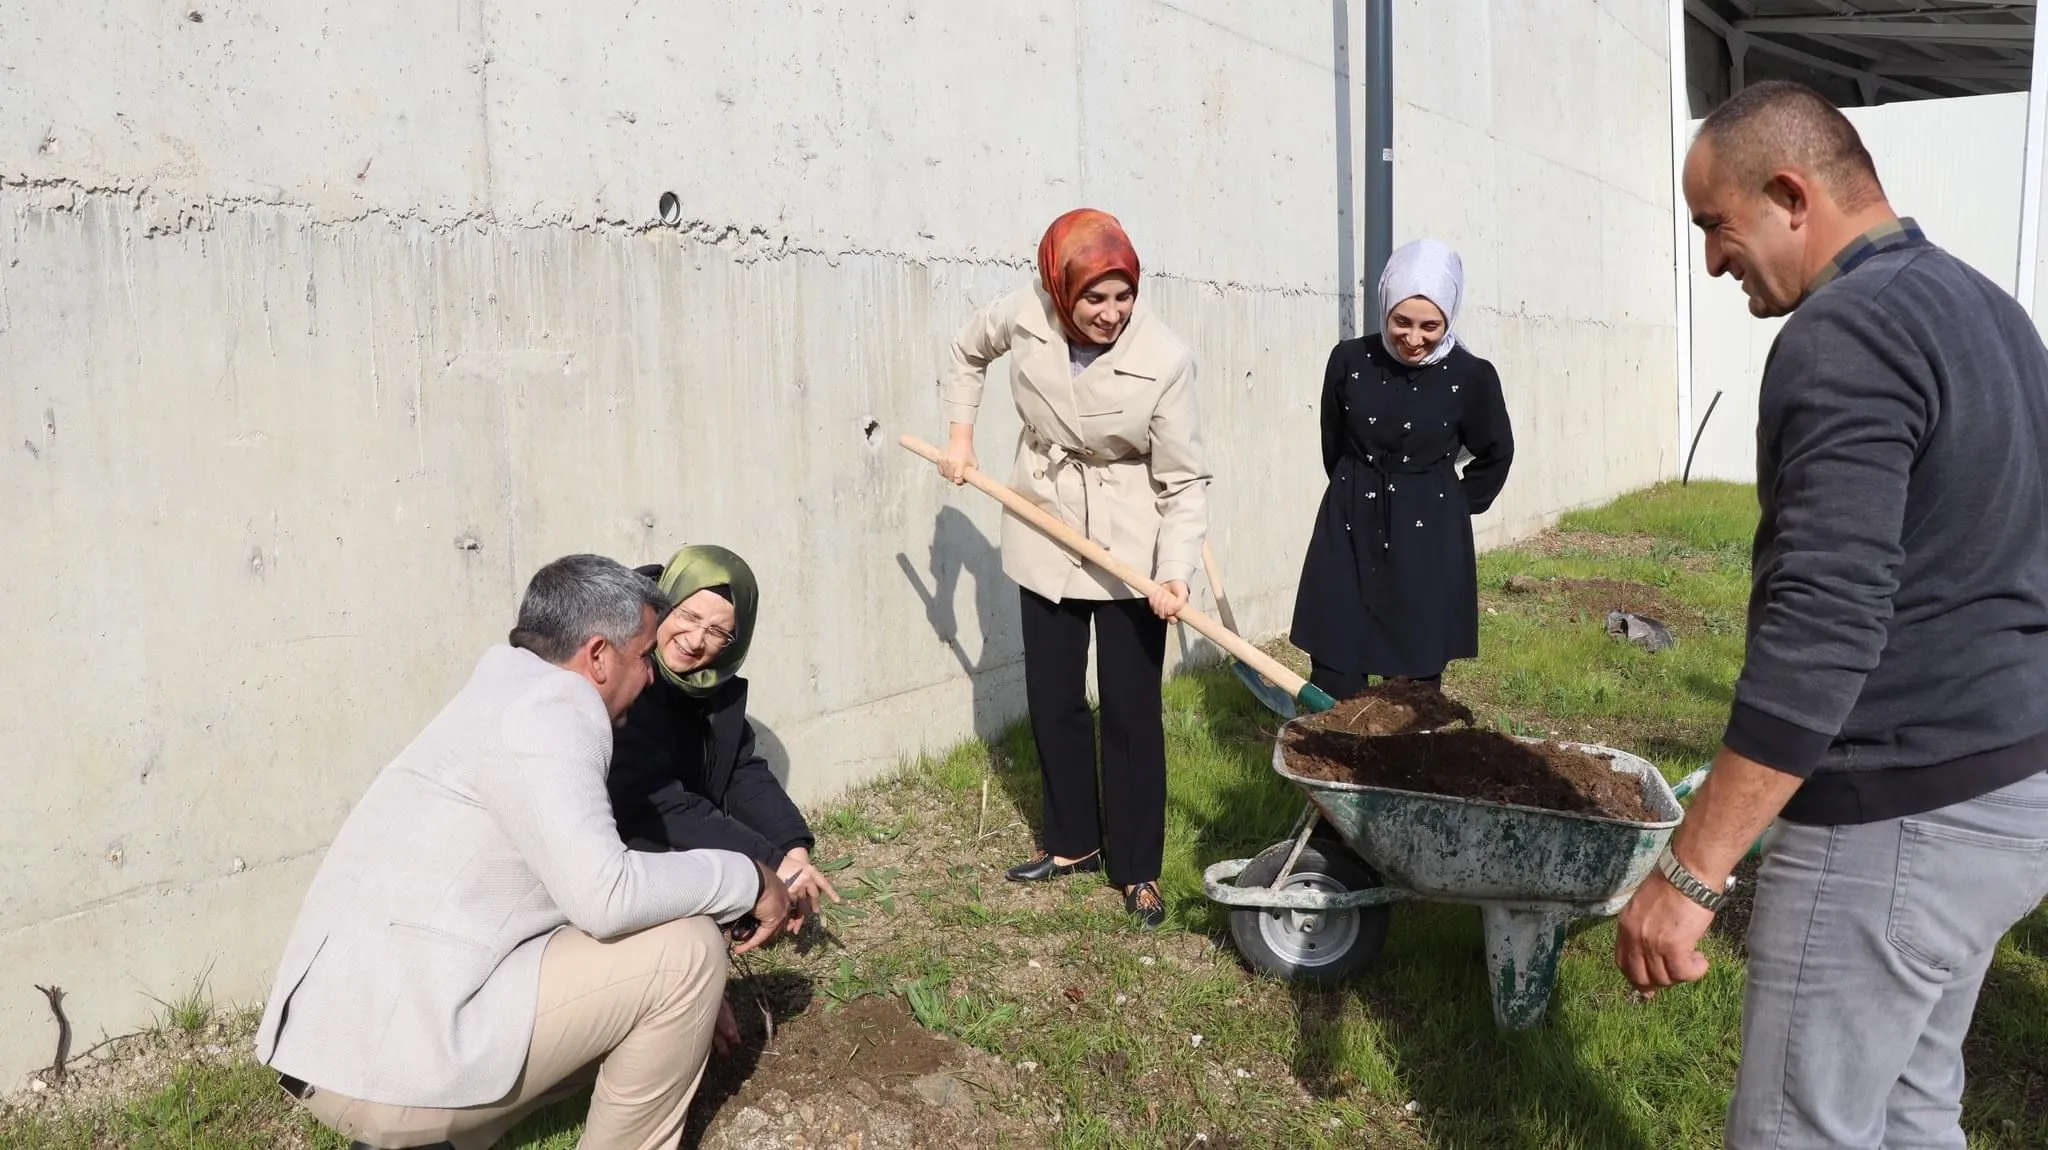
1691, 887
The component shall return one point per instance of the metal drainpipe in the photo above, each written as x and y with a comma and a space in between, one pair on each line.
1379, 149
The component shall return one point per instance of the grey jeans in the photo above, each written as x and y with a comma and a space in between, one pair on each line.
1866, 950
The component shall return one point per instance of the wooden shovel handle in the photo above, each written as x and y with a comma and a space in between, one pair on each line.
1087, 549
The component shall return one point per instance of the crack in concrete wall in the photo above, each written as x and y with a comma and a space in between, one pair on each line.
165, 215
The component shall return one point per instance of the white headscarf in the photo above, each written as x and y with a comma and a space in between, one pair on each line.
1430, 269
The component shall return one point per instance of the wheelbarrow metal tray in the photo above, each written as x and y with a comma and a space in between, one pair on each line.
1468, 850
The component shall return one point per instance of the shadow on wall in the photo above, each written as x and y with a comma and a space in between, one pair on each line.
959, 548
769, 747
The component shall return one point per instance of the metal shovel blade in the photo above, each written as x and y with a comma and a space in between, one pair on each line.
1276, 700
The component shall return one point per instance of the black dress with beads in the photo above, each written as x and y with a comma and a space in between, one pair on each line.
1390, 585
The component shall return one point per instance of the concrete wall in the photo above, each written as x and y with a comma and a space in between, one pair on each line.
2037, 305
1953, 165
322, 325
1535, 139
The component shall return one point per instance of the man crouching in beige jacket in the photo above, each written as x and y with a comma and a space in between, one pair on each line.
478, 940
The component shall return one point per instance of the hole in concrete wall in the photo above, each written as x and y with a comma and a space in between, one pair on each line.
868, 427
671, 209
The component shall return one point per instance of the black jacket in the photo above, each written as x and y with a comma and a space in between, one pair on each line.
1389, 585
1898, 624
685, 776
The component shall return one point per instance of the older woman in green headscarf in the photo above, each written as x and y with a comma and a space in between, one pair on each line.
685, 774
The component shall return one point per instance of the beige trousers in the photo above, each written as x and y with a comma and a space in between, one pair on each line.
637, 1011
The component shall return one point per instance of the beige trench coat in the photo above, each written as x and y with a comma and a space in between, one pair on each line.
1115, 452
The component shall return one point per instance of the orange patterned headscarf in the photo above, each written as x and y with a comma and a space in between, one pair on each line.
1078, 249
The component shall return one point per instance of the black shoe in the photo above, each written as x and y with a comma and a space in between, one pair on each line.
435, 1146
1040, 867
1144, 902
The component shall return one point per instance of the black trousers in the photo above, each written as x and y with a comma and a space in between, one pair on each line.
1130, 802
1344, 684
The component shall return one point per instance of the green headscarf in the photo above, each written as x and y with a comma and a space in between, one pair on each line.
695, 569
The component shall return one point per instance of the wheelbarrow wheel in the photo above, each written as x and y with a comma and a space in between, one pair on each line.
1323, 947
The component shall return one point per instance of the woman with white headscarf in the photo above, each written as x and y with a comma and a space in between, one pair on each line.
1390, 586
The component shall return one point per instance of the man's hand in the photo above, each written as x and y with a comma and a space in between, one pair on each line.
1169, 599
1661, 929
806, 882
725, 1033
771, 910
1659, 943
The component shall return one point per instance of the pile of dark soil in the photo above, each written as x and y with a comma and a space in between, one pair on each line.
1395, 708
1470, 764
864, 1075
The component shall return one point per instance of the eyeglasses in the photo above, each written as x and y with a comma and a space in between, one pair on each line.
714, 635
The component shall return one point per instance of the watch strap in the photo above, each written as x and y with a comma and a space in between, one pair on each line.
1687, 883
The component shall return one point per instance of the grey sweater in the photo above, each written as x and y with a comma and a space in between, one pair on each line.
1898, 620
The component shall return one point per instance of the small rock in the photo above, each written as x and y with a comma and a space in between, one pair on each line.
747, 1123
1194, 1040
38, 1086
1243, 1073
1645, 632
1121, 999
1027, 1067
1147, 960
1413, 1107
942, 1090
1035, 964
1336, 1124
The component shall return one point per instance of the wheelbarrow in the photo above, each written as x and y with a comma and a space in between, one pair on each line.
1310, 909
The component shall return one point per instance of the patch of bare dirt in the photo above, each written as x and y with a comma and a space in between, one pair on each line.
1596, 597
863, 1077
1555, 543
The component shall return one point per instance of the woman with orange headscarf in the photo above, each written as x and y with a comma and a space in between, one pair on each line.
1112, 445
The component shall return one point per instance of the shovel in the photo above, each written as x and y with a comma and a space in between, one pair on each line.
1263, 689
1287, 684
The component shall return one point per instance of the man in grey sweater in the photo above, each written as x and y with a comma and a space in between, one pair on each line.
478, 937
1889, 715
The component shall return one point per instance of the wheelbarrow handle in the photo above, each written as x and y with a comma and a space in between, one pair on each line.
1311, 697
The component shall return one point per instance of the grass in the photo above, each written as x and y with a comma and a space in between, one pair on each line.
191, 1011
194, 1103
1132, 1039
